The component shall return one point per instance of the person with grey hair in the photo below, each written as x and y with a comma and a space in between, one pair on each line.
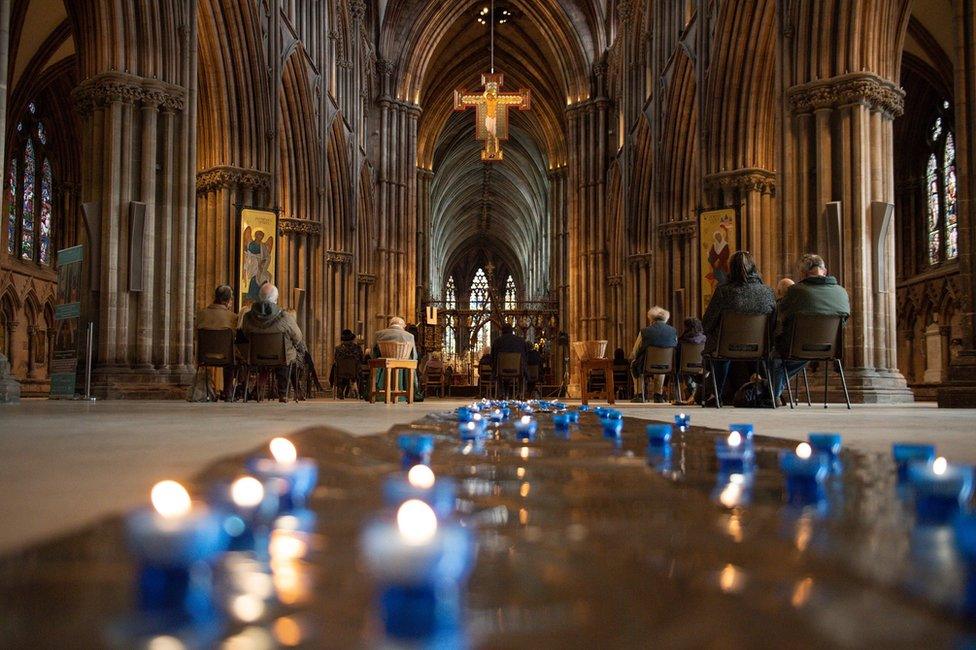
657, 334
266, 317
219, 315
397, 332
816, 294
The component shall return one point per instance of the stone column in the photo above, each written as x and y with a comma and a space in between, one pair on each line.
849, 142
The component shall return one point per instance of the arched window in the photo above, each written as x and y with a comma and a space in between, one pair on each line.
511, 299
480, 298
483, 338
29, 192
450, 295
450, 341
940, 191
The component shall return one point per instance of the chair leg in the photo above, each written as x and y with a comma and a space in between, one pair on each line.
843, 380
718, 397
677, 388
789, 390
247, 381
806, 385
826, 380
769, 381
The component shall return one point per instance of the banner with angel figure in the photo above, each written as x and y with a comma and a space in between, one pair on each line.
258, 238
718, 236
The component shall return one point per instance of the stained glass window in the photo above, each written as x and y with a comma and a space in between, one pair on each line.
511, 300
450, 341
450, 295
30, 192
479, 291
940, 191
44, 227
27, 217
482, 338
12, 208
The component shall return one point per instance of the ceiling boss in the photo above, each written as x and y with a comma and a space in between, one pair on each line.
491, 105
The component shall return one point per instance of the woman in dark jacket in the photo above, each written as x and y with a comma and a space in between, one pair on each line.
746, 293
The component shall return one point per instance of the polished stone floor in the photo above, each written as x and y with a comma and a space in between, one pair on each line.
65, 464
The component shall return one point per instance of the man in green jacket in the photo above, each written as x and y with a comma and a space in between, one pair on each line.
816, 294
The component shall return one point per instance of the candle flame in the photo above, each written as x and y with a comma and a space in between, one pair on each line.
170, 499
417, 522
283, 451
421, 476
940, 465
804, 450
735, 439
247, 492
526, 419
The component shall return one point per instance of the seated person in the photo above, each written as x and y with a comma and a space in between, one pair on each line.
485, 359
397, 331
267, 317
347, 349
782, 287
621, 371
744, 292
219, 315
657, 334
509, 343
816, 294
533, 359
693, 334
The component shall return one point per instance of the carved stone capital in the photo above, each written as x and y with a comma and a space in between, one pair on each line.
615, 280
856, 88
640, 259
747, 179
299, 227
111, 87
625, 10
229, 176
384, 67
357, 9
683, 228
338, 257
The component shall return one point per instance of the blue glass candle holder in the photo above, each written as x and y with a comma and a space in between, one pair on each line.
419, 587
496, 416
940, 489
473, 430
526, 428
561, 422
295, 481
905, 453
733, 458
659, 457
441, 497
658, 435
416, 449
682, 421
167, 551
574, 416
464, 414
826, 443
745, 430
612, 427
805, 476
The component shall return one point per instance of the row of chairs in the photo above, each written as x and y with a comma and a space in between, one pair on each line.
748, 337
265, 352
493, 382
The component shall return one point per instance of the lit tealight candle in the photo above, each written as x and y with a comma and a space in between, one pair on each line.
420, 483
525, 428
940, 488
293, 477
169, 538
682, 421
906, 453
415, 449
416, 522
247, 492
421, 476
805, 473
734, 457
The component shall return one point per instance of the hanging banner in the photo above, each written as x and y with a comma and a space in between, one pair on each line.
718, 234
67, 323
257, 245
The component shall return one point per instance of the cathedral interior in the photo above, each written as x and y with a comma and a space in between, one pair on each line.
554, 166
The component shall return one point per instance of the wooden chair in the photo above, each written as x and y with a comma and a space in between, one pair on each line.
346, 376
391, 366
434, 377
690, 364
606, 367
266, 352
533, 374
816, 338
509, 373
486, 381
657, 361
215, 349
742, 337
621, 380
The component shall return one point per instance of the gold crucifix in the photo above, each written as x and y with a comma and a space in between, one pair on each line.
491, 118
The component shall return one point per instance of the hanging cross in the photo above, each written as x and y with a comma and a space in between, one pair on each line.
491, 118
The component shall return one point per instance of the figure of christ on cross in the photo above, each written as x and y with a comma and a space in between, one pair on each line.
491, 121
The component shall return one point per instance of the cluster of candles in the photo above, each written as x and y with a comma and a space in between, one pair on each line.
178, 541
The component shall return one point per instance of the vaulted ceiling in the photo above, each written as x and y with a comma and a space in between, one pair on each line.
547, 47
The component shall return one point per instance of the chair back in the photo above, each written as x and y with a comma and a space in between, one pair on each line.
533, 373
347, 368
484, 372
691, 359
266, 349
743, 336
434, 372
815, 337
395, 349
215, 347
509, 365
658, 361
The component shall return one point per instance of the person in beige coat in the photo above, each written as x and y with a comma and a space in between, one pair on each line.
267, 317
219, 315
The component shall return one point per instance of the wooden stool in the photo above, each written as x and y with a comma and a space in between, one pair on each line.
597, 364
389, 365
